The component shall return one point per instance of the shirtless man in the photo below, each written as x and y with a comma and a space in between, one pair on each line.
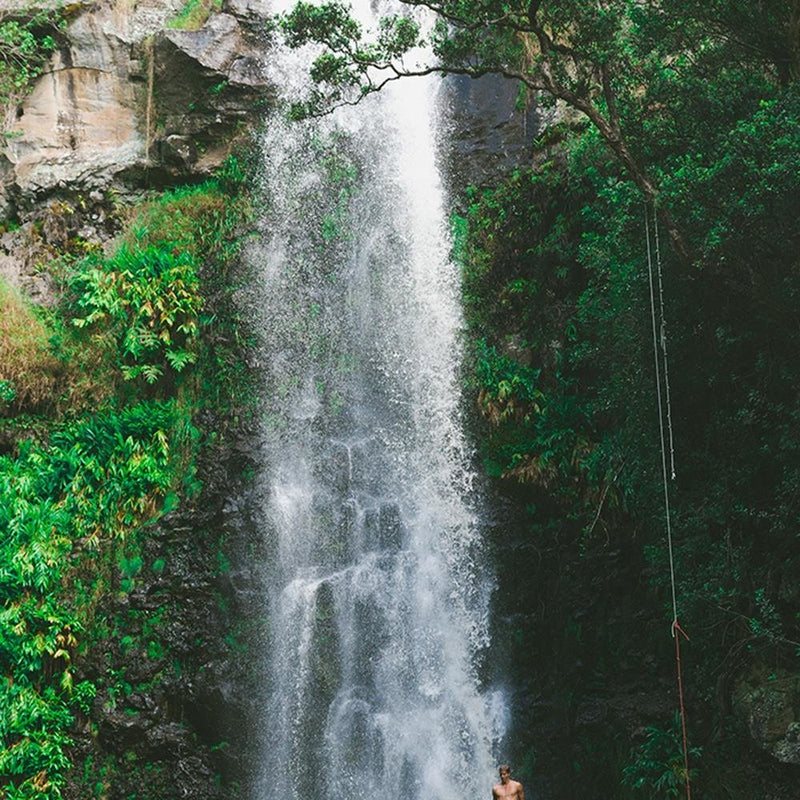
507, 789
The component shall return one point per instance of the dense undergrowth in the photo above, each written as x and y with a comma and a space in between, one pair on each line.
99, 400
557, 300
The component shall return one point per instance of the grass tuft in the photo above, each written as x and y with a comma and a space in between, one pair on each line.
29, 371
194, 14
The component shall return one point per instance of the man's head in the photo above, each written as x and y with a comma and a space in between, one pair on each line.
505, 773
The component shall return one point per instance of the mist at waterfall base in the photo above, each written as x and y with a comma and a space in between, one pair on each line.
378, 588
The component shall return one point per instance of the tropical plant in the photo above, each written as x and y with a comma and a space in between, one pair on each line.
657, 770
149, 300
97, 483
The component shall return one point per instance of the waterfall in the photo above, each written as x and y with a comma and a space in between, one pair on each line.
377, 582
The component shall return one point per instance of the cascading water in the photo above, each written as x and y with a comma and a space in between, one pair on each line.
378, 590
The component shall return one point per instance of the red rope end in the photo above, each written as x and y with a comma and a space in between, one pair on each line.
676, 628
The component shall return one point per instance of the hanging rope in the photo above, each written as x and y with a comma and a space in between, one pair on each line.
660, 393
663, 340
664, 402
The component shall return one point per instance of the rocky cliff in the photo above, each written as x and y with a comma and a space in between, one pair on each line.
127, 101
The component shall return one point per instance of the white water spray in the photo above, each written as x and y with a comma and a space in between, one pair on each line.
378, 585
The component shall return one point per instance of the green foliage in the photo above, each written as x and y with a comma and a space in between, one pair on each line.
97, 481
77, 496
656, 769
7, 391
202, 221
524, 278
83, 696
556, 283
344, 72
138, 314
33, 729
26, 41
556, 292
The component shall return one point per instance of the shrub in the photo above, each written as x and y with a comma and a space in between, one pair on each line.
24, 49
149, 300
201, 220
656, 767
99, 480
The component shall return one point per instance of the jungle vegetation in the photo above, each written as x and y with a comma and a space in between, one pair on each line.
100, 398
27, 38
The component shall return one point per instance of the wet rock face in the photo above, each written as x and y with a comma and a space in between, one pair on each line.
493, 128
121, 89
768, 703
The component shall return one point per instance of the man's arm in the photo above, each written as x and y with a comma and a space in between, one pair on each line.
520, 792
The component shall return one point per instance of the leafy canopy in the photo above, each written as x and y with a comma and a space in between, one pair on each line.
597, 58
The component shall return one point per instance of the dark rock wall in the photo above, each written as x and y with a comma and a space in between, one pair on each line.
493, 128
179, 672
